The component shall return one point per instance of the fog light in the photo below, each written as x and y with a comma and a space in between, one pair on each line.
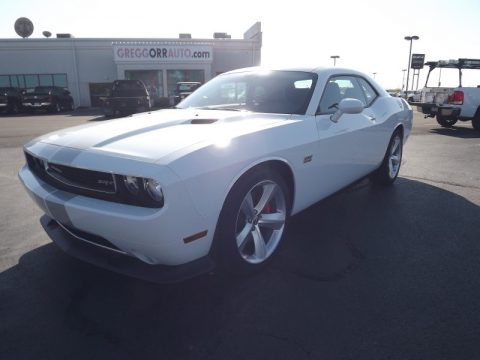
153, 189
131, 183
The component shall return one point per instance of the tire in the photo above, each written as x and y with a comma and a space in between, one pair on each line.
476, 120
56, 108
14, 109
445, 122
387, 173
246, 237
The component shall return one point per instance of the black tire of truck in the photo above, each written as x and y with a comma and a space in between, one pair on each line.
445, 122
476, 120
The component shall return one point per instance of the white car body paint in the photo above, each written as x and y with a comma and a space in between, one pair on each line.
198, 164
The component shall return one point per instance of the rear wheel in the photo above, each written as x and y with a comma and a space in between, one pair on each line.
253, 221
387, 173
445, 122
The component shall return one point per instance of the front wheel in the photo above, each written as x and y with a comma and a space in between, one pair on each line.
445, 122
14, 109
387, 173
56, 108
253, 221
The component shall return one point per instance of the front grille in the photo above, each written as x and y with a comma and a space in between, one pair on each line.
81, 178
95, 184
73, 179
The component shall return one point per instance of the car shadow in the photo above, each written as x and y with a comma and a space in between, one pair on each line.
86, 111
101, 118
358, 268
457, 131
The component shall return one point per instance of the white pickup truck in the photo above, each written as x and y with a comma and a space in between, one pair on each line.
449, 104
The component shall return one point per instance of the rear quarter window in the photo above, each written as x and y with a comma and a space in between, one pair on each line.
368, 90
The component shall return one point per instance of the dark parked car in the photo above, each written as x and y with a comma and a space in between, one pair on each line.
10, 100
50, 98
183, 89
127, 97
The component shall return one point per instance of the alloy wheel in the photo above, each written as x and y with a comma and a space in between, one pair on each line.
260, 221
395, 157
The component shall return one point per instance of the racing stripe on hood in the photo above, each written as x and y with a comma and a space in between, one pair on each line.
65, 155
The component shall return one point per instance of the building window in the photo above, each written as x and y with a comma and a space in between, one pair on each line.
175, 76
14, 81
4, 81
60, 80
20, 80
46, 80
29, 81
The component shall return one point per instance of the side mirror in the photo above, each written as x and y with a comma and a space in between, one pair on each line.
347, 106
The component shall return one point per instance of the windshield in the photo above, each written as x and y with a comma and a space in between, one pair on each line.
281, 92
186, 87
41, 90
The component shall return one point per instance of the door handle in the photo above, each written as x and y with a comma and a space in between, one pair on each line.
372, 118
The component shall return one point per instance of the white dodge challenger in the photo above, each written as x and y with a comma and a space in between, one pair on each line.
169, 194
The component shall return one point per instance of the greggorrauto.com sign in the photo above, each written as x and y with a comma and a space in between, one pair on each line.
163, 53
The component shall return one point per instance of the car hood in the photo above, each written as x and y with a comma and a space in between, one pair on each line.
156, 135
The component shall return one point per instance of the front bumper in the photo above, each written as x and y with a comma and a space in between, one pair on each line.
41, 105
122, 263
154, 236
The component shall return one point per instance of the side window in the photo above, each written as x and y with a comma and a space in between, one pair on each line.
330, 98
338, 88
368, 90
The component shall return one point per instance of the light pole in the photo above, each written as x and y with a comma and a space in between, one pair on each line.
403, 78
374, 75
335, 57
409, 38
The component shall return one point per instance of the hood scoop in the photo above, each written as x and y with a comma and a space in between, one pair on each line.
203, 121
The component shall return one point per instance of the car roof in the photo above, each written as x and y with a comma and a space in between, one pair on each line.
316, 70
265, 68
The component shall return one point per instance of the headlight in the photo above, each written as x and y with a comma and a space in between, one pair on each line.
153, 189
132, 184
140, 191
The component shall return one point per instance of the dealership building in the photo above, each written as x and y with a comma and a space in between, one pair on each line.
87, 67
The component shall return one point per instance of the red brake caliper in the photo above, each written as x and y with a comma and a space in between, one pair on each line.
268, 209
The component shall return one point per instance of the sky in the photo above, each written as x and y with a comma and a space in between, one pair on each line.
368, 35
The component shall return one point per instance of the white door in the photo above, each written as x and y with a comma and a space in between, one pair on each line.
348, 149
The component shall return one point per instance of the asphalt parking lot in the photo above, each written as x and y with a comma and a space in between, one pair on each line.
365, 274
